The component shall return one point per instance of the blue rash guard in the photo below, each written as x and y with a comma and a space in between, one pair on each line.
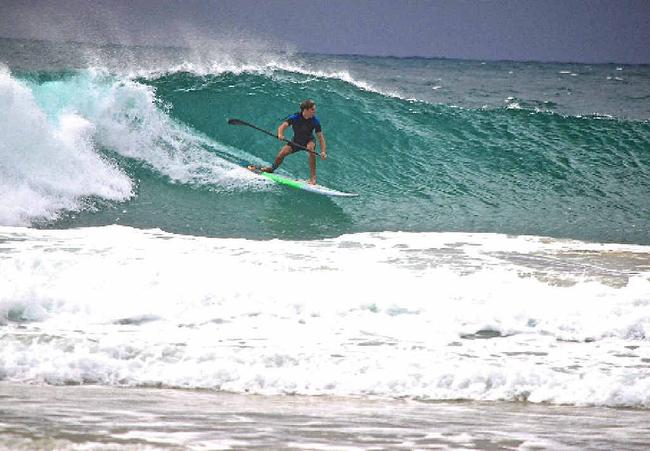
303, 129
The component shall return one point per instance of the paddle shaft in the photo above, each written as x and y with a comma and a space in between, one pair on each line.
240, 122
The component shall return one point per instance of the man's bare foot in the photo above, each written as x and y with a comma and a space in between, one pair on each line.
267, 169
312, 181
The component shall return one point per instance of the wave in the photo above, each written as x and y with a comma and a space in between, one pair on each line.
62, 137
416, 165
427, 316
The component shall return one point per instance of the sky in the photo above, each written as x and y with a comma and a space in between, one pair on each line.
588, 31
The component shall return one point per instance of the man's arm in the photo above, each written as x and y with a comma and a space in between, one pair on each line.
323, 146
283, 126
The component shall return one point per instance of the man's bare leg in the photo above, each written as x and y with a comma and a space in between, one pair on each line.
286, 150
311, 145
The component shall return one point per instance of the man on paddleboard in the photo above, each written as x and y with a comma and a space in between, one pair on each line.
304, 124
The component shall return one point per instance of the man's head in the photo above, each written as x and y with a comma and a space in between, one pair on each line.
308, 108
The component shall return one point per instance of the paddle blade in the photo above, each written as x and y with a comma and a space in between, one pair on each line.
236, 122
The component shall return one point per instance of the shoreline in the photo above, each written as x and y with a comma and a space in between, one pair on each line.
100, 417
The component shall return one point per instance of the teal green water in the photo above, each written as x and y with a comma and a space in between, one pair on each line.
422, 167
525, 162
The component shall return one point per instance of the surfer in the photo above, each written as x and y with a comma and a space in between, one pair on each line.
304, 124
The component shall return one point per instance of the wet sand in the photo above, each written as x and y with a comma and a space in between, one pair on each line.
95, 417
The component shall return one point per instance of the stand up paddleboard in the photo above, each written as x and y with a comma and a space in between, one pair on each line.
300, 184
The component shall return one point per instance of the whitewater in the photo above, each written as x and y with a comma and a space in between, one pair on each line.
494, 268
430, 316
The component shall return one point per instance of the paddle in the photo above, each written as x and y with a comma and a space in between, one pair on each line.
240, 122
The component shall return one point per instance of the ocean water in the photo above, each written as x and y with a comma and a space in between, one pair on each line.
498, 254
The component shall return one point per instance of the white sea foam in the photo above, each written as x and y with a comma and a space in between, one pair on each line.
431, 316
48, 163
129, 120
53, 133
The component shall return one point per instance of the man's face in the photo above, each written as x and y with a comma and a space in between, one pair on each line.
309, 113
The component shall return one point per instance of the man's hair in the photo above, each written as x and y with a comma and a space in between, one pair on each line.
307, 105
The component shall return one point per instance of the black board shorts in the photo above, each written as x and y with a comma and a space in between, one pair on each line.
296, 149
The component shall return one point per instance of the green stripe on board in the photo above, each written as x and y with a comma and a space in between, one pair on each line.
282, 180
